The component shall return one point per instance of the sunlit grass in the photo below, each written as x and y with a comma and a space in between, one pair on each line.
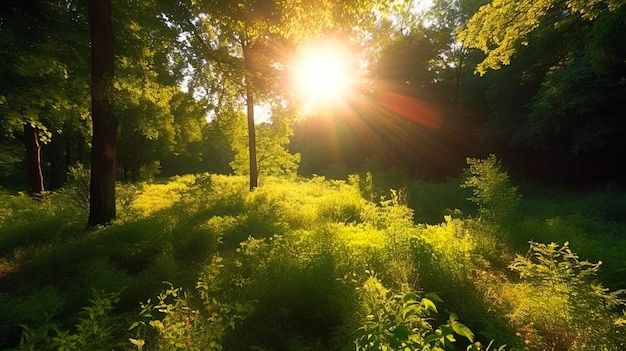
298, 250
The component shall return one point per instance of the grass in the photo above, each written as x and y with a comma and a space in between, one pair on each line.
294, 265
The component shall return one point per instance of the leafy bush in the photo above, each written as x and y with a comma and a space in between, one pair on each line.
560, 306
496, 198
77, 190
431, 201
173, 323
401, 321
97, 329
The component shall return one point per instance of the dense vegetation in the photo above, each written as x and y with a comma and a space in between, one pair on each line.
199, 262
145, 205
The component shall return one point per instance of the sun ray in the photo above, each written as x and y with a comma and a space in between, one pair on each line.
322, 74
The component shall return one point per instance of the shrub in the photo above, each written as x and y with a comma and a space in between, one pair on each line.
432, 200
560, 306
496, 198
181, 326
402, 321
77, 190
97, 329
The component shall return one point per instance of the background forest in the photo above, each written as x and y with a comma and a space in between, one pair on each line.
166, 184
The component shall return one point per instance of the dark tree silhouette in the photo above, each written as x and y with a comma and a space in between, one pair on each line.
104, 140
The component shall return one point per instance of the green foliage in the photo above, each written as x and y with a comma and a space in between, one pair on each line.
560, 91
375, 182
56, 221
563, 307
76, 192
272, 156
11, 159
172, 323
284, 264
496, 198
500, 26
44, 68
97, 329
590, 221
402, 321
430, 201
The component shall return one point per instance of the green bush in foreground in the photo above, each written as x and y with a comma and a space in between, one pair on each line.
97, 329
560, 306
393, 321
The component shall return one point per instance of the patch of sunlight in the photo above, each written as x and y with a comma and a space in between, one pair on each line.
156, 197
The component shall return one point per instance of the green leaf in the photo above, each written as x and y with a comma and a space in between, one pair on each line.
409, 297
401, 332
430, 338
461, 328
433, 297
429, 305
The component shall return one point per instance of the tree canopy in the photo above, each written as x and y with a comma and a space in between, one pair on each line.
500, 26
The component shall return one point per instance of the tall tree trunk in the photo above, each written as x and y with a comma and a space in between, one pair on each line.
33, 159
254, 181
104, 139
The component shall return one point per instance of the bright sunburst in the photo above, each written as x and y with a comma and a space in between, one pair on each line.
322, 74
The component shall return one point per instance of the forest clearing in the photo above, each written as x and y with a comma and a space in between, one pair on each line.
270, 175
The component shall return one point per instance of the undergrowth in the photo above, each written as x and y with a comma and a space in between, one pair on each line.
311, 264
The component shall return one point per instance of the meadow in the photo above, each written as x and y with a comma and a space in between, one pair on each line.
378, 261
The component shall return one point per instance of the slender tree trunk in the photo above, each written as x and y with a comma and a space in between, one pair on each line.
33, 159
104, 139
254, 182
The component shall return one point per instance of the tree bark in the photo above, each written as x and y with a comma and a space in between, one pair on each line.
33, 159
104, 139
254, 182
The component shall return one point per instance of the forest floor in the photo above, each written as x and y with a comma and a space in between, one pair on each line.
375, 261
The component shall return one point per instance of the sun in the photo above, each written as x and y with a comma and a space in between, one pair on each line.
322, 74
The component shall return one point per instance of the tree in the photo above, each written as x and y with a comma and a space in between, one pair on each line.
224, 131
555, 71
146, 87
43, 89
499, 27
453, 65
583, 99
273, 157
104, 139
243, 45
186, 153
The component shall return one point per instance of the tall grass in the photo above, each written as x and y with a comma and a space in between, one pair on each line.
309, 264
